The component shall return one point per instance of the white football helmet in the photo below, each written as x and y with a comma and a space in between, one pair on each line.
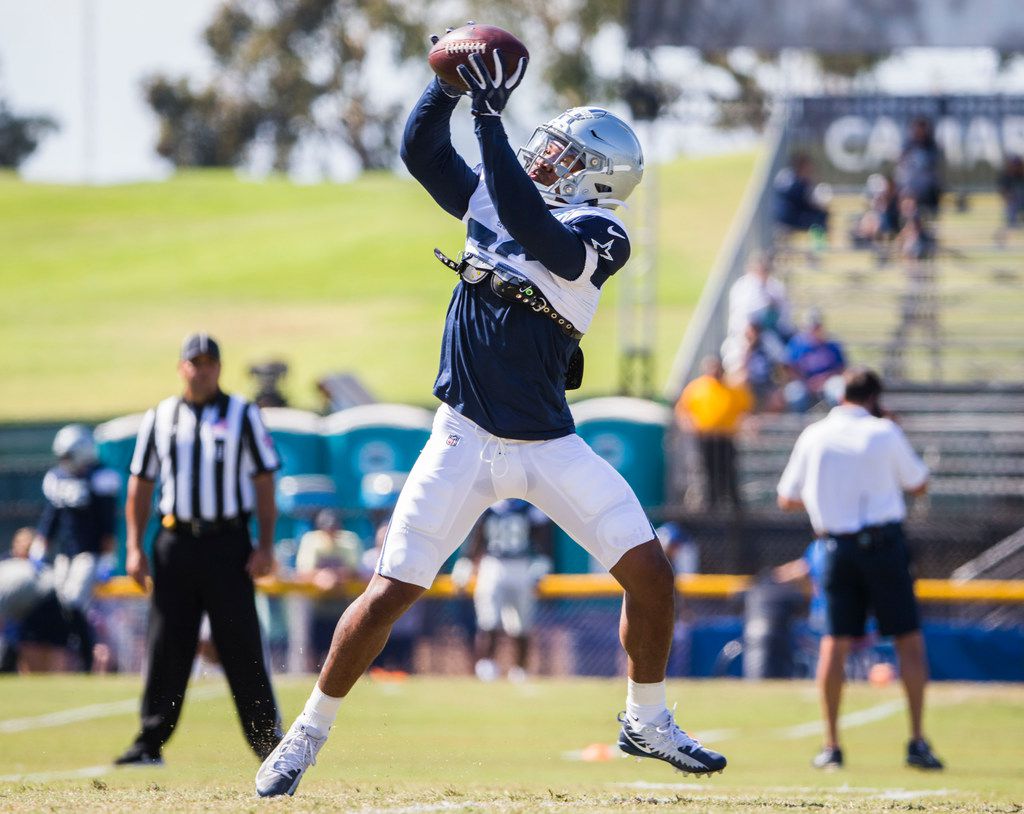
74, 445
595, 154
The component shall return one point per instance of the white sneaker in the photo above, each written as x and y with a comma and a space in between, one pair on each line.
517, 675
486, 670
667, 742
284, 767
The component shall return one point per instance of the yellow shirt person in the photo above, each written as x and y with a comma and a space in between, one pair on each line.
714, 408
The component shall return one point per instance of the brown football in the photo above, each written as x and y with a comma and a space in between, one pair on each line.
454, 48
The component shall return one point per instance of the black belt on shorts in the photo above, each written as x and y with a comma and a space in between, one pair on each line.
513, 287
867, 536
204, 528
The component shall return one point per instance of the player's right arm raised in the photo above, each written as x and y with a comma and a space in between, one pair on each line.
429, 155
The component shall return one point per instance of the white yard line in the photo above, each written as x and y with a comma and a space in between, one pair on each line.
874, 793
65, 774
851, 719
93, 711
422, 808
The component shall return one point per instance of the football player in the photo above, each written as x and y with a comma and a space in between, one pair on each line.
77, 528
509, 552
542, 239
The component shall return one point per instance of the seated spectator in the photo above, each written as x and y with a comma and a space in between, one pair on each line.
755, 357
680, 548
881, 221
919, 168
813, 359
759, 298
793, 198
713, 407
1010, 184
915, 240
35, 629
808, 571
328, 557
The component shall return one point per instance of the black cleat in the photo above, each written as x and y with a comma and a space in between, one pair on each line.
920, 756
138, 755
668, 743
829, 758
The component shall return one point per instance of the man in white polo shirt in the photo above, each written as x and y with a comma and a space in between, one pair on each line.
849, 472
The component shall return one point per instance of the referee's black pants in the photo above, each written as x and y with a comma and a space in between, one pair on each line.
191, 575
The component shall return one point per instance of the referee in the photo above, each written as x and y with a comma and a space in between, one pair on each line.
849, 471
214, 462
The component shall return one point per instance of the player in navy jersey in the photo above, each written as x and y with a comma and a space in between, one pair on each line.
509, 551
541, 241
77, 527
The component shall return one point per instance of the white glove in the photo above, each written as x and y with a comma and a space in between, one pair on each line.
37, 551
540, 567
462, 572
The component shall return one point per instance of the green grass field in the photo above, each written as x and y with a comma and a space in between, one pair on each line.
100, 284
453, 744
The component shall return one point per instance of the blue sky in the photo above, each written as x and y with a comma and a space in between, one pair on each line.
41, 71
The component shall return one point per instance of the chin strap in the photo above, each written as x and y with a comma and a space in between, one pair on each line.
558, 203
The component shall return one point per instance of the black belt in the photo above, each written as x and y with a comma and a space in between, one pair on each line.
204, 528
867, 536
512, 287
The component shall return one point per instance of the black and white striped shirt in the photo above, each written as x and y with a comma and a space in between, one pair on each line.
217, 449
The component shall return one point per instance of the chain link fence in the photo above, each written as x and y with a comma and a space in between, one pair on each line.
578, 636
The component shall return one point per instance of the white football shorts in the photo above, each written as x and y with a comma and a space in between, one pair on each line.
463, 469
75, 578
505, 595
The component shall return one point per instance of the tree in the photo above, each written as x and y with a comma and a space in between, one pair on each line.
287, 71
20, 135
559, 34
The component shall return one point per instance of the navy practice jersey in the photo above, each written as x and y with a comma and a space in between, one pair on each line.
79, 511
508, 527
503, 366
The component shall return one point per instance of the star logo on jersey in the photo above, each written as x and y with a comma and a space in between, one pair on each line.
603, 249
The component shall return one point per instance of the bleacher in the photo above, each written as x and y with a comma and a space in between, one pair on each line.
947, 336
952, 320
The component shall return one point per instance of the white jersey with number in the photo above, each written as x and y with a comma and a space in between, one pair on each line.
604, 238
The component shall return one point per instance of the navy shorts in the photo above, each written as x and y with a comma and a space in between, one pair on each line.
869, 572
45, 623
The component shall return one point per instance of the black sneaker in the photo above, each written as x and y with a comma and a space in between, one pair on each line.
828, 758
920, 756
138, 755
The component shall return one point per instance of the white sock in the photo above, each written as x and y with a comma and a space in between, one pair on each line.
320, 711
645, 703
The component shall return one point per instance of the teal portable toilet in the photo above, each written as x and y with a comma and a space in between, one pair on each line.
629, 433
300, 445
369, 439
115, 445
296, 435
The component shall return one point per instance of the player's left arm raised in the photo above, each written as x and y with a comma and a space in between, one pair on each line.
562, 249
